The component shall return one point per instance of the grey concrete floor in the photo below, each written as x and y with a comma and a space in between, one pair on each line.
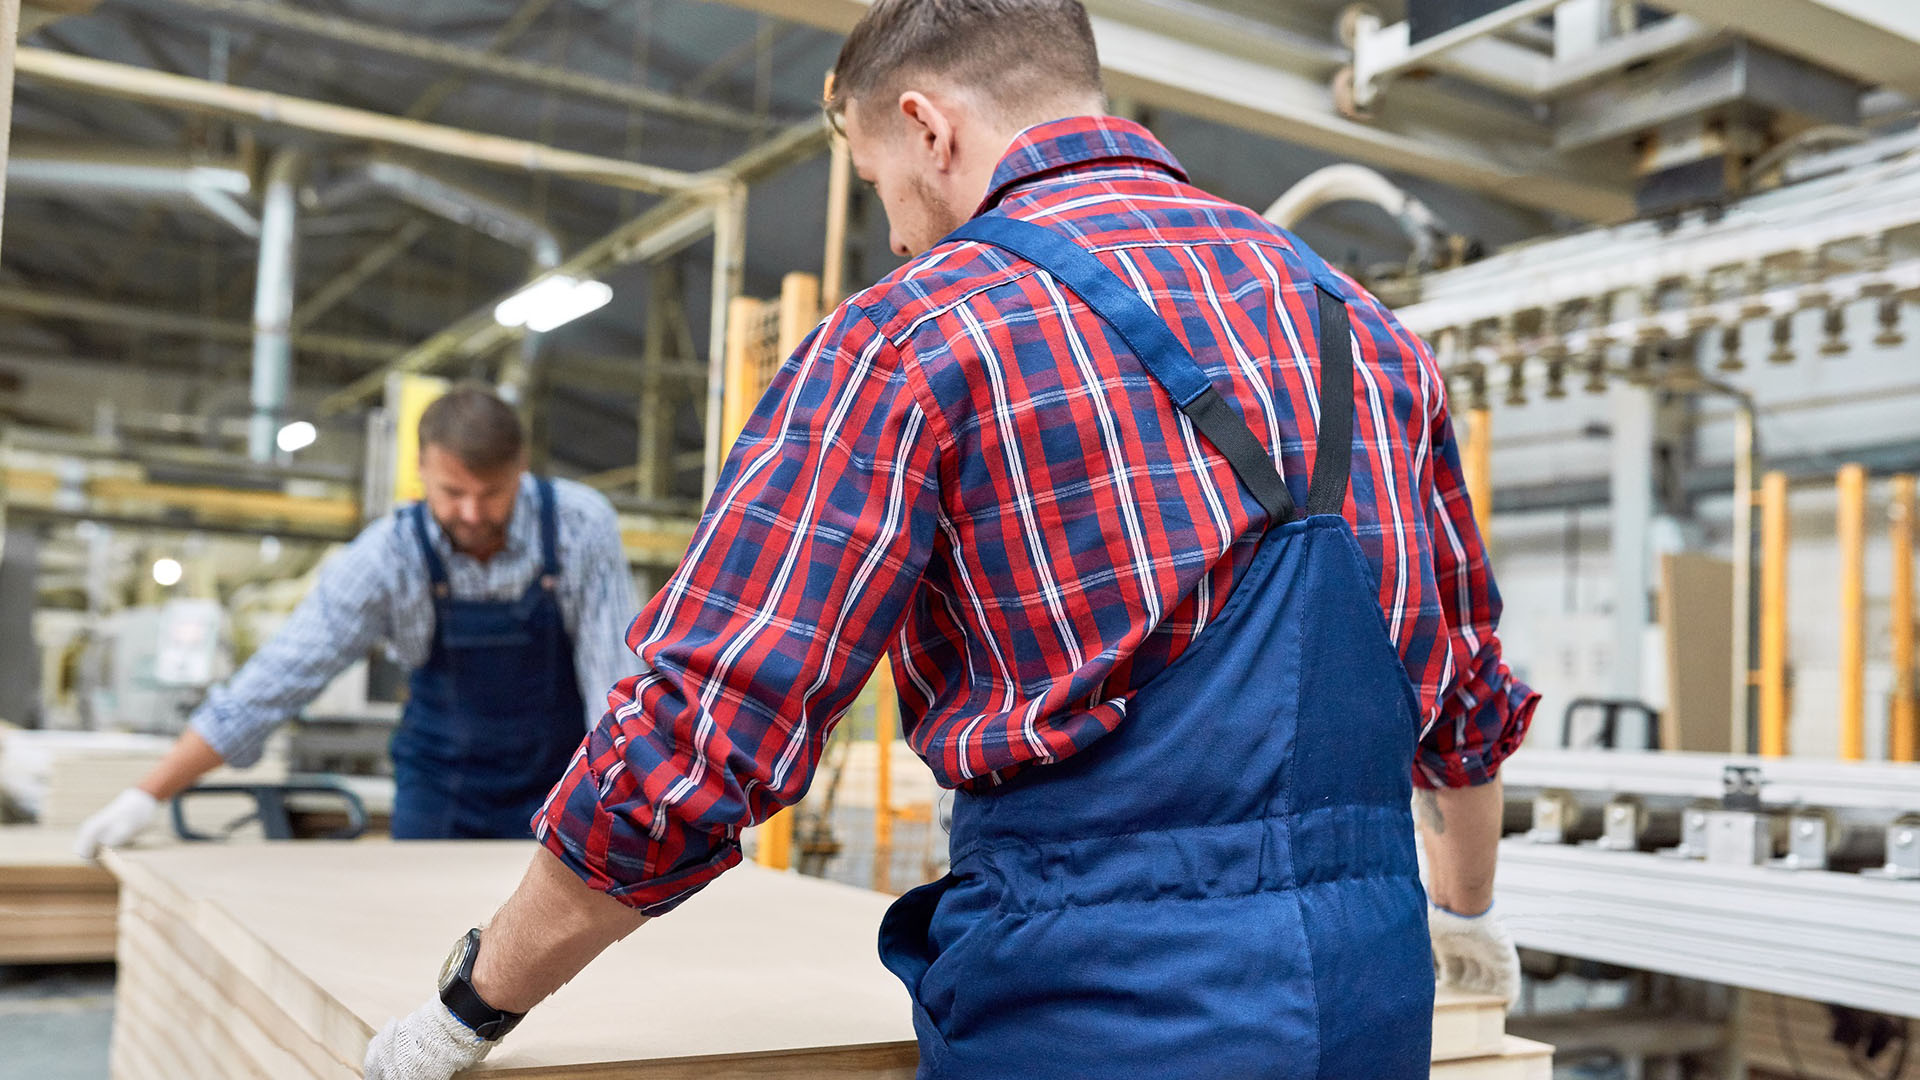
55, 1020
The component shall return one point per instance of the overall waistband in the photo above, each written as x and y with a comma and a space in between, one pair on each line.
1191, 862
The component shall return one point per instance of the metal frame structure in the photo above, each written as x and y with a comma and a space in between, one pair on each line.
1249, 75
1843, 938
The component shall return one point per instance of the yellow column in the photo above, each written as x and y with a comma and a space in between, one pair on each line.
1478, 464
1851, 534
799, 314
1905, 737
886, 727
739, 395
833, 267
1773, 615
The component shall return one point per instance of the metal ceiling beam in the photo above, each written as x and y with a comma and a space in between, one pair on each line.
1873, 40
1155, 68
474, 61
161, 321
199, 95
510, 31
666, 227
343, 284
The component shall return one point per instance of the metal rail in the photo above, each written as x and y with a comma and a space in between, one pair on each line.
1843, 938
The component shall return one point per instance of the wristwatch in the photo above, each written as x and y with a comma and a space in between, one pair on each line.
463, 1001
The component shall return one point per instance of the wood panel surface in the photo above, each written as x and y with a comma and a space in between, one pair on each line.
279, 961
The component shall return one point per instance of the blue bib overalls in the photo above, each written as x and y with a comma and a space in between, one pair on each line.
1225, 886
495, 713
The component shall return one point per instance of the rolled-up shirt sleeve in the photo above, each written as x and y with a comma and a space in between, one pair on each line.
815, 539
1484, 711
337, 623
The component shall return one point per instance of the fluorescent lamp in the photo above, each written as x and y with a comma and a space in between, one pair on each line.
166, 571
552, 301
296, 436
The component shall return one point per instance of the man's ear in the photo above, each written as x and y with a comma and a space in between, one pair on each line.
930, 128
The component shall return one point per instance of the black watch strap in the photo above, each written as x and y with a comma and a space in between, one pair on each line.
466, 1004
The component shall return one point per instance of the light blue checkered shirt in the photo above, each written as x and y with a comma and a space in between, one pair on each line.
376, 590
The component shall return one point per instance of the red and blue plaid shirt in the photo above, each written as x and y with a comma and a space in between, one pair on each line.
963, 469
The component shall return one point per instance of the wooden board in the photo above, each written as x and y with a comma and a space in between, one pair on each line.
1518, 1059
1696, 610
279, 961
1467, 1025
319, 943
54, 907
1794, 1037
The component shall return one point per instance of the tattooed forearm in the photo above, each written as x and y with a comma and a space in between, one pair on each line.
1426, 805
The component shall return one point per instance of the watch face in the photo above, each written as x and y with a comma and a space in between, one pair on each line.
454, 961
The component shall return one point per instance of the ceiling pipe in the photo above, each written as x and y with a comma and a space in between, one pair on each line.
1347, 182
462, 206
215, 188
273, 304
444, 199
104, 77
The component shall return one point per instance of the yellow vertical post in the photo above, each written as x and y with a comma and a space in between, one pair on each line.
1851, 533
1773, 615
799, 314
1904, 739
833, 266
739, 396
886, 727
1479, 465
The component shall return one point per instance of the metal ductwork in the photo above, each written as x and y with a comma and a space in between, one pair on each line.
1347, 182
463, 206
444, 199
273, 303
215, 188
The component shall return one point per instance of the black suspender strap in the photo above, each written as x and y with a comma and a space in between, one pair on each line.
1333, 446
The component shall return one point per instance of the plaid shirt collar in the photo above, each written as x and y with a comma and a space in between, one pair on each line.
1075, 142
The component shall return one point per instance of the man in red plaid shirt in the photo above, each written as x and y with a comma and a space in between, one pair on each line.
1163, 526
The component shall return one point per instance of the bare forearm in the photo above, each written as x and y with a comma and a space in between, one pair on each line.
1460, 831
190, 758
549, 929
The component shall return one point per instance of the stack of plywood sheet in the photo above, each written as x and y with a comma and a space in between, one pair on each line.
1794, 1037
54, 906
72, 774
280, 960
1470, 1042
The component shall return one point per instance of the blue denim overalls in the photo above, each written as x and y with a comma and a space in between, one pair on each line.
1225, 886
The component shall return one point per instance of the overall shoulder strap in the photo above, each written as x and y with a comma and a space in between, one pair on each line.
436, 570
549, 529
1157, 348
1152, 343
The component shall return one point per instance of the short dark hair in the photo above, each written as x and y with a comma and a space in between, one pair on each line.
470, 422
1017, 53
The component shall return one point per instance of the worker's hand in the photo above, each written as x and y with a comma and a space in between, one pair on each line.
1474, 953
130, 811
427, 1044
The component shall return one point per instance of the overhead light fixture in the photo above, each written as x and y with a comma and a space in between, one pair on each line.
166, 571
296, 436
552, 301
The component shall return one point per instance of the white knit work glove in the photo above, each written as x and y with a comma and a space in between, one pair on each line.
1474, 953
130, 811
429, 1043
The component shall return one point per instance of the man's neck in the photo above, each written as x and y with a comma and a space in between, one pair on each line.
481, 555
